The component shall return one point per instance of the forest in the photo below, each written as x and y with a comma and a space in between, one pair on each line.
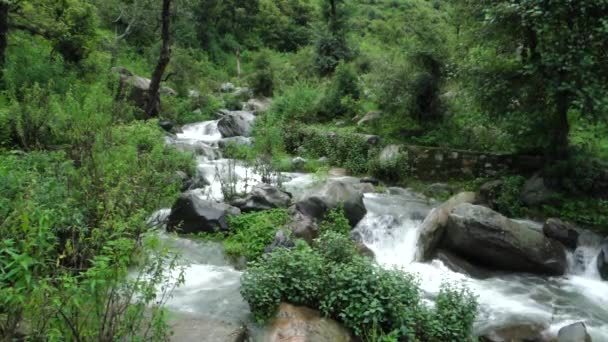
306, 170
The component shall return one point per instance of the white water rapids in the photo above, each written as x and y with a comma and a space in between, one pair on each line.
390, 229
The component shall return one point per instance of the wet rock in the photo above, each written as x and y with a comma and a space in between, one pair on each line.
432, 228
258, 106
264, 197
166, 125
371, 180
227, 87
576, 332
187, 329
439, 190
238, 141
313, 207
602, 261
192, 214
458, 264
338, 193
236, 123
535, 192
243, 93
390, 154
301, 324
299, 163
486, 238
516, 333
561, 231
369, 118
323, 160
302, 225
489, 193
363, 250
281, 240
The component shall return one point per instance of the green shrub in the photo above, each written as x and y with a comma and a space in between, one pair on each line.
508, 201
292, 275
335, 221
371, 301
342, 97
252, 232
262, 80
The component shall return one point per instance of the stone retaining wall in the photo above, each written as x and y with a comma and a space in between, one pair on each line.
435, 163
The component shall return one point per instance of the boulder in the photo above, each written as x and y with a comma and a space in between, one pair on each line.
238, 141
227, 87
236, 123
258, 106
439, 190
298, 163
576, 332
561, 231
458, 264
301, 324
187, 328
137, 87
166, 125
282, 239
337, 172
486, 238
365, 251
432, 228
243, 93
516, 333
264, 197
390, 154
192, 214
535, 192
602, 261
341, 123
339, 193
302, 225
369, 118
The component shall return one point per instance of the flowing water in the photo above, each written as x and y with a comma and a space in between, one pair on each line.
390, 229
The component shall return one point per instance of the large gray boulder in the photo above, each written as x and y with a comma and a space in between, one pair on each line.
432, 229
390, 155
561, 231
486, 238
136, 88
602, 261
349, 196
264, 197
236, 123
576, 332
192, 214
535, 192
301, 324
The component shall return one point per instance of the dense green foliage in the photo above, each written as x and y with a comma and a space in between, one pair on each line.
79, 174
368, 299
251, 233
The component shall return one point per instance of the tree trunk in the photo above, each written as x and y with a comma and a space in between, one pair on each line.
562, 128
3, 38
153, 104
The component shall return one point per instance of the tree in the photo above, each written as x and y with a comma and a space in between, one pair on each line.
554, 59
152, 106
331, 45
68, 24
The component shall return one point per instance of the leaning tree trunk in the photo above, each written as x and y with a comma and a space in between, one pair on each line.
153, 104
3, 37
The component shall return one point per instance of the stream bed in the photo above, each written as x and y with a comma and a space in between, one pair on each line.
390, 229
